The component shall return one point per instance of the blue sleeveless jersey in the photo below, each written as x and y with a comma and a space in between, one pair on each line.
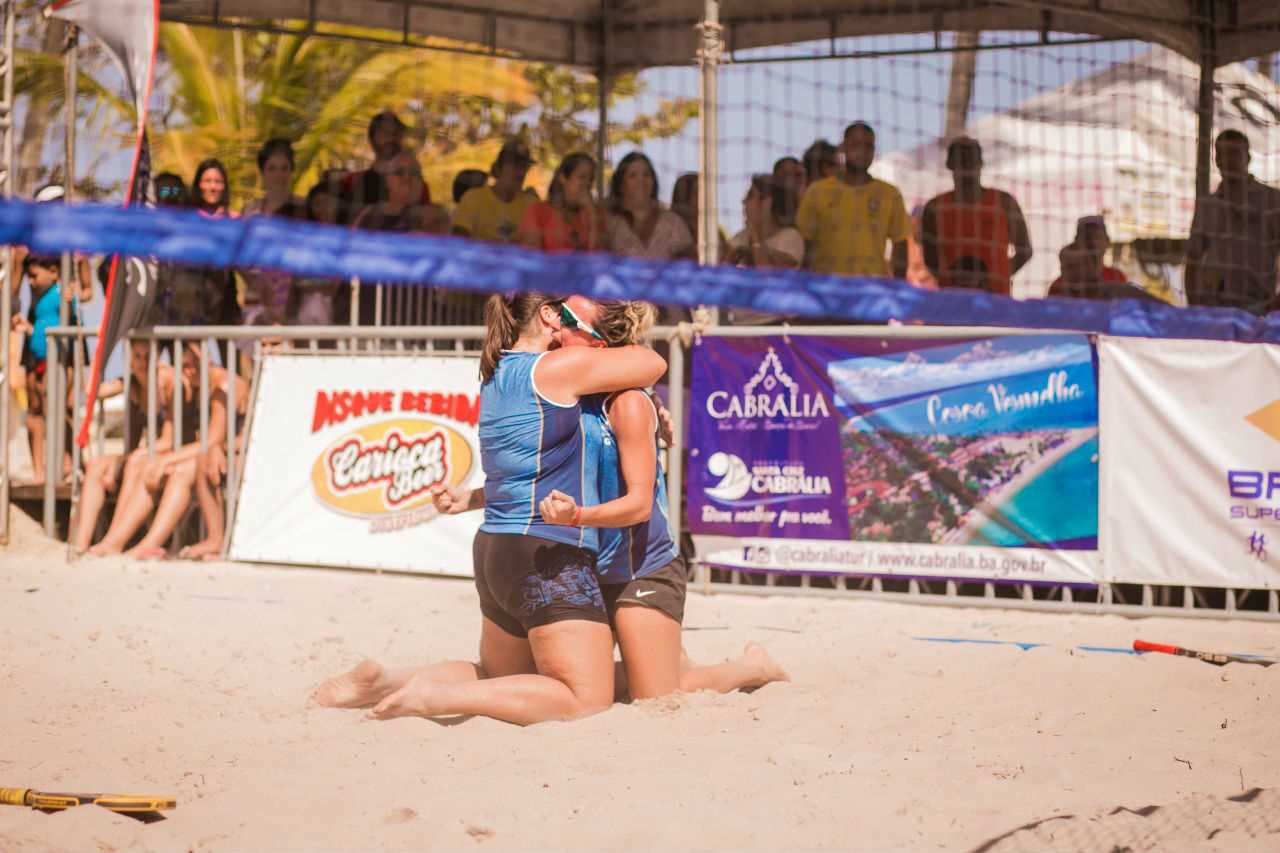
631, 552
528, 447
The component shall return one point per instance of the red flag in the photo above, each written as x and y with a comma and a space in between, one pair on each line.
128, 30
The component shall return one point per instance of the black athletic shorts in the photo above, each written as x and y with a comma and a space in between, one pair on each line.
662, 590
525, 582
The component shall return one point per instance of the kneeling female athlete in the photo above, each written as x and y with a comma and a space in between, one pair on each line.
546, 649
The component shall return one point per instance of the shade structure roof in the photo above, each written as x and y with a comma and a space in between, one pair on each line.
629, 34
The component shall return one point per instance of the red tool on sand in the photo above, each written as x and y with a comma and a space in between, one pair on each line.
1208, 657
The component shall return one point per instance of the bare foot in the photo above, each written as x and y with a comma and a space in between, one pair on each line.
415, 699
207, 549
766, 668
105, 549
148, 552
361, 687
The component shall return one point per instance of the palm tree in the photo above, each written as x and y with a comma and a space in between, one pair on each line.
222, 93
964, 67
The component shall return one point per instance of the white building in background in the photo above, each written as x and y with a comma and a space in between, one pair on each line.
1121, 143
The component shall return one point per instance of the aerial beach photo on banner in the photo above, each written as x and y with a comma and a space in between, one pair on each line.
990, 442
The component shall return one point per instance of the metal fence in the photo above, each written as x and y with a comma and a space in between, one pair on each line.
1118, 598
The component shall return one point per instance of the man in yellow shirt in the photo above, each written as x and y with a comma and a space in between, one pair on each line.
846, 219
494, 212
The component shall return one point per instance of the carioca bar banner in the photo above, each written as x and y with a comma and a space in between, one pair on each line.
344, 455
970, 458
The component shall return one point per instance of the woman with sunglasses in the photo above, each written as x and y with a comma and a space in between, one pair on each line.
642, 576
546, 649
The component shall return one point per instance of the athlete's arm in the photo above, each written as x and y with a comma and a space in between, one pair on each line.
564, 375
452, 501
1018, 235
634, 424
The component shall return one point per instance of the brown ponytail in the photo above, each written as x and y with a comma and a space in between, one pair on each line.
505, 317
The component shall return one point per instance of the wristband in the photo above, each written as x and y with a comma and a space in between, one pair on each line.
577, 517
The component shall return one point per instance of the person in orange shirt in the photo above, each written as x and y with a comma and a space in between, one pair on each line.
967, 233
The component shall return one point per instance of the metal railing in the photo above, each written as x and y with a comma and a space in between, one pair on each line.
230, 342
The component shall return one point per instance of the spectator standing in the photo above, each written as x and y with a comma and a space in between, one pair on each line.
847, 219
171, 190
967, 233
47, 293
201, 296
789, 172
370, 186
275, 169
403, 212
1235, 235
569, 220
494, 212
821, 160
268, 290
686, 202
639, 226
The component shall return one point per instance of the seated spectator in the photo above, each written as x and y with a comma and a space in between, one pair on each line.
106, 475
848, 219
403, 210
494, 212
211, 475
1081, 278
770, 239
164, 484
1092, 236
465, 181
821, 160
686, 203
1235, 235
370, 186
967, 233
569, 220
639, 226
789, 172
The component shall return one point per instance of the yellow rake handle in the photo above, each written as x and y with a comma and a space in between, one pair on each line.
114, 802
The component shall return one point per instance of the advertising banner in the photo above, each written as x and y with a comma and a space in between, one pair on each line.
1191, 462
343, 455
929, 457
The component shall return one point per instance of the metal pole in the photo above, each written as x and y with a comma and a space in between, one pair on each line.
6, 258
52, 466
71, 71
675, 459
1204, 107
602, 79
179, 397
710, 51
231, 432
153, 371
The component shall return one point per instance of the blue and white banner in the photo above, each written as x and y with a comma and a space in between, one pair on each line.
967, 458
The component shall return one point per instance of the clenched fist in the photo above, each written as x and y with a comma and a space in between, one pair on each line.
558, 508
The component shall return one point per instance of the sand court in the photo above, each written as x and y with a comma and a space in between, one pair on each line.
192, 679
